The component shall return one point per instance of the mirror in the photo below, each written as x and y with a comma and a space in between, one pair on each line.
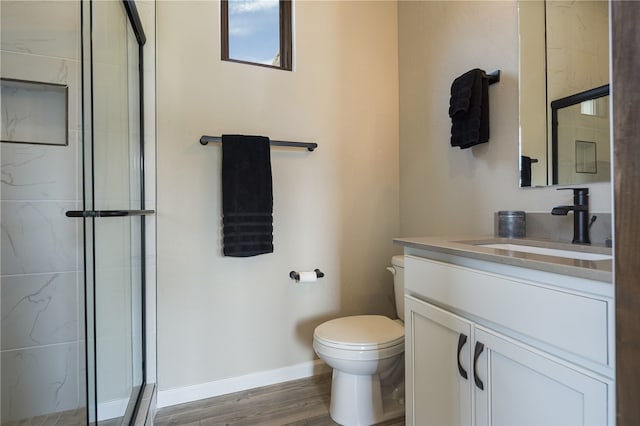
564, 52
580, 137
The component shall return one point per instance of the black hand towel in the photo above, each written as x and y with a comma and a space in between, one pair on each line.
247, 196
469, 109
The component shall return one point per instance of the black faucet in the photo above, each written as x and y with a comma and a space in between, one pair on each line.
580, 214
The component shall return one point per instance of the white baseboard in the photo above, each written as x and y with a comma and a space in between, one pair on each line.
240, 383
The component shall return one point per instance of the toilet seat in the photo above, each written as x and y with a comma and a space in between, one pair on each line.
327, 352
361, 333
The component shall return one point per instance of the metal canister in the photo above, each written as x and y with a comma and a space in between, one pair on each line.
511, 224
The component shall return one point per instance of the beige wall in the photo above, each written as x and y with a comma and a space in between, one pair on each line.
445, 190
335, 209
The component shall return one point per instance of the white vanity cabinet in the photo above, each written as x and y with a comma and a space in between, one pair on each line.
483, 348
522, 386
436, 348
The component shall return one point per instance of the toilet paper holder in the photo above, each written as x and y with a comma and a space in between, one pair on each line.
294, 275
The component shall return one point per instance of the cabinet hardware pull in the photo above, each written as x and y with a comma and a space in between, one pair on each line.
476, 355
462, 340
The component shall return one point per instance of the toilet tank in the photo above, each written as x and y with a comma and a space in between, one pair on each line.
398, 283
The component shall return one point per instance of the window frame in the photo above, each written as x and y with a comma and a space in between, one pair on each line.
286, 36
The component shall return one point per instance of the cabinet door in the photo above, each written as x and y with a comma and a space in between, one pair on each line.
523, 386
437, 360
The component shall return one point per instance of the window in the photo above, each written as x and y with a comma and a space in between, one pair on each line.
257, 32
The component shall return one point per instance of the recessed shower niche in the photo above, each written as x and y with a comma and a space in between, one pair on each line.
34, 112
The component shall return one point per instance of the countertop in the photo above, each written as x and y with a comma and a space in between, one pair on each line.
468, 246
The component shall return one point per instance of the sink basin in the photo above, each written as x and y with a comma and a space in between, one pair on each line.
570, 254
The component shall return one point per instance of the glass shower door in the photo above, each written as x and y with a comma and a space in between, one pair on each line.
113, 210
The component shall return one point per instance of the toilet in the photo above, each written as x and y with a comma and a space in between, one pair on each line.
366, 353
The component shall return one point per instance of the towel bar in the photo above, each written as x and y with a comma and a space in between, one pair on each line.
493, 77
309, 145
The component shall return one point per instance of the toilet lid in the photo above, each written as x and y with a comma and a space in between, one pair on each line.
363, 331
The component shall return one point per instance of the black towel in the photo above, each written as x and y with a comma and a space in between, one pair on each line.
247, 196
469, 109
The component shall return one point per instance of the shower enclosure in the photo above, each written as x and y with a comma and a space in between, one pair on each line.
73, 212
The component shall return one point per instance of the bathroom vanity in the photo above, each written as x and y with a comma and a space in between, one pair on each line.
508, 332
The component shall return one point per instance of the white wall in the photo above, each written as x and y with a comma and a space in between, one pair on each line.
335, 209
445, 190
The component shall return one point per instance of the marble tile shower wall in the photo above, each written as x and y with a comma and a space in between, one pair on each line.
42, 314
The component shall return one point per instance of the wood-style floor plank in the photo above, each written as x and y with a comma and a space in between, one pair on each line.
65, 418
297, 403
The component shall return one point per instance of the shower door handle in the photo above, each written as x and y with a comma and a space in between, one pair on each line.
108, 213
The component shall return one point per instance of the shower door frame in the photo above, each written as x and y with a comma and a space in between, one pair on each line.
89, 216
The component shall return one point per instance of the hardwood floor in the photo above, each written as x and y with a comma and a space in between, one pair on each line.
297, 403
65, 418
